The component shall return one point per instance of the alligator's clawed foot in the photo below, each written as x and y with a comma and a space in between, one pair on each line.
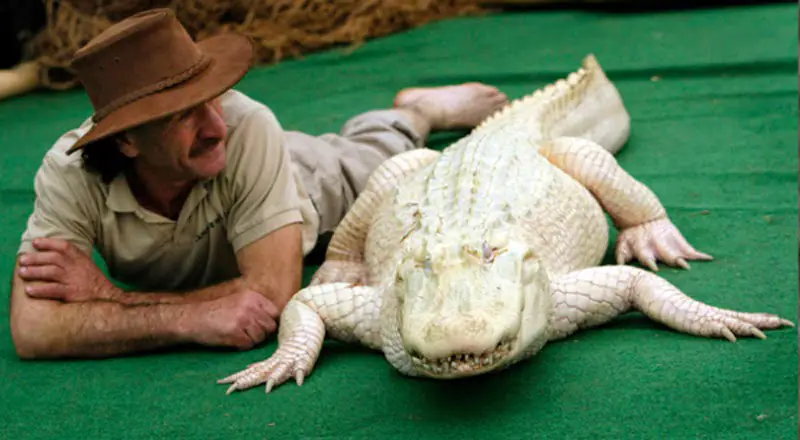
663, 302
730, 324
656, 240
287, 362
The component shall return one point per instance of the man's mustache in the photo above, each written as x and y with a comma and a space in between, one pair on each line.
204, 145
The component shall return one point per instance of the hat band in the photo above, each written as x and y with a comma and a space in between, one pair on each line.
127, 98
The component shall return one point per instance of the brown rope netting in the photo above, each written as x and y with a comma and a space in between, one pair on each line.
279, 28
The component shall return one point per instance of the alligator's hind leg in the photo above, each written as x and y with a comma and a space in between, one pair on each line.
344, 260
646, 231
593, 296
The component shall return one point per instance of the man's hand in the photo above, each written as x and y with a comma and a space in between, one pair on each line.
242, 320
61, 271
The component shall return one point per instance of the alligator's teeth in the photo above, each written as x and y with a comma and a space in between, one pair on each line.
465, 362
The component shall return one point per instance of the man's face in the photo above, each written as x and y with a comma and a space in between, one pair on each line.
185, 146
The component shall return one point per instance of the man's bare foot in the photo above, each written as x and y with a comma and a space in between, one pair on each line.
453, 107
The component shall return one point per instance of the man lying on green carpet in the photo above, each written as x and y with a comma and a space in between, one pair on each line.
192, 192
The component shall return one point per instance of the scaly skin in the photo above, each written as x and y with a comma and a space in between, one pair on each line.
468, 261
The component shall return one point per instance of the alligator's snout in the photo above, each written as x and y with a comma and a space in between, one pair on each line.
441, 338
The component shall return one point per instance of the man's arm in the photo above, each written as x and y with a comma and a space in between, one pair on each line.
49, 328
238, 313
273, 265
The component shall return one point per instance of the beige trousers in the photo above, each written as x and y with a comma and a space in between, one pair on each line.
335, 167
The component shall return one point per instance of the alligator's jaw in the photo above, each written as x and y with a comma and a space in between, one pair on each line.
464, 365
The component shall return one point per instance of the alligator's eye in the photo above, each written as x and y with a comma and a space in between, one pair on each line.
488, 253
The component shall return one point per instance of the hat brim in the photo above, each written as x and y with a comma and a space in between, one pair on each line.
231, 57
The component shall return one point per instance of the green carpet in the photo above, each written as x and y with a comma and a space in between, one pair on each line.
713, 99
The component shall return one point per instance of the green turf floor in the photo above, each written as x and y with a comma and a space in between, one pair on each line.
713, 100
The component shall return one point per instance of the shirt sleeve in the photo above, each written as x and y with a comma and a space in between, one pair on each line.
62, 208
263, 193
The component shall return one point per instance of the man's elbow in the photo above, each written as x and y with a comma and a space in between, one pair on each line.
32, 330
279, 292
282, 299
27, 336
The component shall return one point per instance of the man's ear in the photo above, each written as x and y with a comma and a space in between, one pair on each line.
126, 146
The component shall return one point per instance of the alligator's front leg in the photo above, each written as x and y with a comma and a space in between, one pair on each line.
348, 313
646, 231
594, 296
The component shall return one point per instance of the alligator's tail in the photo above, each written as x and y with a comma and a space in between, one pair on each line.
584, 104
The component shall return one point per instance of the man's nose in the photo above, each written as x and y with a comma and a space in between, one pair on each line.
213, 124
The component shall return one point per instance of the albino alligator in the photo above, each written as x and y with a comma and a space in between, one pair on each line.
470, 260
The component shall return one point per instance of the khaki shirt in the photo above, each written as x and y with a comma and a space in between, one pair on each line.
259, 191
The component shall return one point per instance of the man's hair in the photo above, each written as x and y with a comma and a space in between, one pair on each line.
104, 158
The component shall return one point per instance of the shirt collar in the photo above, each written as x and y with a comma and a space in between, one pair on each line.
121, 199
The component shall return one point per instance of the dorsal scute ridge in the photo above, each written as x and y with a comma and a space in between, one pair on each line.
546, 101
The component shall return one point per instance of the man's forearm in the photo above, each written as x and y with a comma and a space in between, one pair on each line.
138, 298
51, 329
275, 291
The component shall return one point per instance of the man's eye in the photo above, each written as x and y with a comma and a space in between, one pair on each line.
186, 114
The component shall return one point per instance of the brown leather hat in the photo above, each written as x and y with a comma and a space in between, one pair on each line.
147, 67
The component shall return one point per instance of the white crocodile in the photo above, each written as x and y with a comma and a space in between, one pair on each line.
470, 260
